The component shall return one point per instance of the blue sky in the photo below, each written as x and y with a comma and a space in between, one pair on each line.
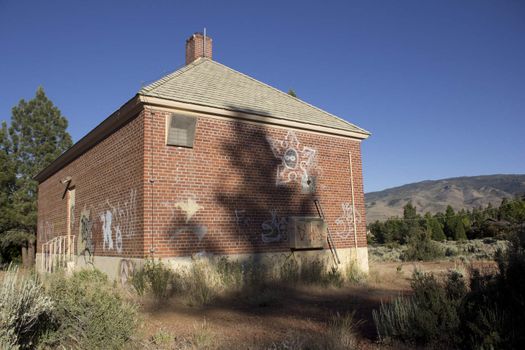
440, 84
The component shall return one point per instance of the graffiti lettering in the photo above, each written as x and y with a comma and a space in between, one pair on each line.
345, 223
274, 230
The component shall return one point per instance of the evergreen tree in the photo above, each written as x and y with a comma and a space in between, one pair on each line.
450, 222
436, 229
459, 231
36, 137
409, 211
292, 93
7, 180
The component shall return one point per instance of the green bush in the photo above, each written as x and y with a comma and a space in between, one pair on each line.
493, 313
421, 247
429, 316
25, 310
154, 277
90, 313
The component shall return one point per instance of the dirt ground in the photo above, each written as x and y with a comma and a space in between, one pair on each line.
233, 322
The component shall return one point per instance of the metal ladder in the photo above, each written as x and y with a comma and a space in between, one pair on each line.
329, 235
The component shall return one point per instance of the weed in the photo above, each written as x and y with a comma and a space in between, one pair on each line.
162, 339
202, 337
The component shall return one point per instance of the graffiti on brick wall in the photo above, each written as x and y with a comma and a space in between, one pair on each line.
298, 162
188, 208
126, 270
242, 223
85, 243
275, 229
345, 223
118, 222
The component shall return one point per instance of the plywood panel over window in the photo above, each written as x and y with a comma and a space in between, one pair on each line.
181, 130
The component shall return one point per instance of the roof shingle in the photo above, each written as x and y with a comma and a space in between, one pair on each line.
209, 83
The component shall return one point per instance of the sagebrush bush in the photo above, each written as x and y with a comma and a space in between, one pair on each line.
429, 316
493, 313
90, 313
25, 309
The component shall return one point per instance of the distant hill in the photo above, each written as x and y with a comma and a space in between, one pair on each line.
433, 196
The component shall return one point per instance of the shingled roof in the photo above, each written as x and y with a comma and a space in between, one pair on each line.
209, 83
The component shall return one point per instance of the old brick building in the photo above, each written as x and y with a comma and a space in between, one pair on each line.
205, 161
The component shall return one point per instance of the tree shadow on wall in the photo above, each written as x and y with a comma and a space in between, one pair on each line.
258, 197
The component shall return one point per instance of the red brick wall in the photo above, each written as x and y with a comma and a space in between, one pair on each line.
216, 196
108, 182
221, 196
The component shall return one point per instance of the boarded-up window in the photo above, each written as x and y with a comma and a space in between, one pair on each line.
181, 130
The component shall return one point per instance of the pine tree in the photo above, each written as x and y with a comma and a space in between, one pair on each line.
37, 136
459, 231
7, 180
450, 222
436, 229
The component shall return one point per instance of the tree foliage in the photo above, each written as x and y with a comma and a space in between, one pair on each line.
454, 225
37, 136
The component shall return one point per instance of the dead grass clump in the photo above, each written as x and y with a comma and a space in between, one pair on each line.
340, 334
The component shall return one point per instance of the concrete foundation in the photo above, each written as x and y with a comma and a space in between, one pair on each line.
121, 269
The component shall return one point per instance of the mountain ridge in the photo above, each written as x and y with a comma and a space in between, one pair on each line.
464, 192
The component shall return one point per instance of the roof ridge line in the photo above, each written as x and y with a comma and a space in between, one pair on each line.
175, 73
289, 96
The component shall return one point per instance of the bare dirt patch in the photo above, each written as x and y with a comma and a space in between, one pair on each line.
237, 321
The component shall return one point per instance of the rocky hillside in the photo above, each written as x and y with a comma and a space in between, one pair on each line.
434, 196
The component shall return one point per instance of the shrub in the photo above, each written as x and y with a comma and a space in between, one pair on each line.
341, 333
394, 320
290, 271
90, 313
493, 313
430, 316
158, 277
200, 283
353, 274
153, 277
421, 247
24, 309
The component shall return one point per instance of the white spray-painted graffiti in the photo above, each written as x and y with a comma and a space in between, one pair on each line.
298, 162
118, 219
189, 207
274, 230
345, 223
126, 270
106, 218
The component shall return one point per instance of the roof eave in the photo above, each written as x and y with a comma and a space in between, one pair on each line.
239, 113
116, 120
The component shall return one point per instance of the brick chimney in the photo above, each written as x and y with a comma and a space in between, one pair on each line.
197, 47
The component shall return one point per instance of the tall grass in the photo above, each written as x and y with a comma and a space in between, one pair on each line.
204, 280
